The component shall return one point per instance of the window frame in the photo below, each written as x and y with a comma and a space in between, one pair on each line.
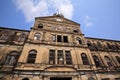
118, 59
68, 57
78, 39
40, 26
60, 57
108, 61
97, 62
31, 57
12, 58
85, 59
37, 36
51, 56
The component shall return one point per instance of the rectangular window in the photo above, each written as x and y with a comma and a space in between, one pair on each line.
60, 58
59, 38
65, 39
68, 57
52, 57
40, 26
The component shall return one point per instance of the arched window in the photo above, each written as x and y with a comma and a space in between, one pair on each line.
109, 46
31, 56
37, 36
91, 78
97, 61
84, 59
5, 35
79, 41
118, 59
109, 62
25, 79
89, 43
117, 46
99, 45
22, 37
12, 58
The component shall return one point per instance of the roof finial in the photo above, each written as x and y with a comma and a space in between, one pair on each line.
58, 13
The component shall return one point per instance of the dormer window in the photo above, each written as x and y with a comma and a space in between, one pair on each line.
40, 26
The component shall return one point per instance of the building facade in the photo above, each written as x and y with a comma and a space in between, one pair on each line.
56, 49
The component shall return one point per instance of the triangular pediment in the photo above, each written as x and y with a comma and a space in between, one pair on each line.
59, 19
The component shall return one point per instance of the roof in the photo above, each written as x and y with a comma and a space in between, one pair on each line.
14, 29
102, 39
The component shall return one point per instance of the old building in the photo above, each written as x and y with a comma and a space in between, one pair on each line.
56, 49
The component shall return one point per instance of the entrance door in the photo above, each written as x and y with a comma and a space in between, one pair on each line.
61, 78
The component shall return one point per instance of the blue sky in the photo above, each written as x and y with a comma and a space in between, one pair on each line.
98, 18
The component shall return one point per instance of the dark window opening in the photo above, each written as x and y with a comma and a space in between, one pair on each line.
68, 57
117, 78
25, 79
105, 79
79, 40
116, 45
52, 57
84, 59
118, 59
89, 43
60, 58
76, 31
65, 39
97, 61
40, 26
109, 62
59, 38
91, 78
61, 78
109, 46
31, 56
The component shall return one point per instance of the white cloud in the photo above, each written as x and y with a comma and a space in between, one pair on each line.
36, 8
88, 21
64, 6
31, 10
